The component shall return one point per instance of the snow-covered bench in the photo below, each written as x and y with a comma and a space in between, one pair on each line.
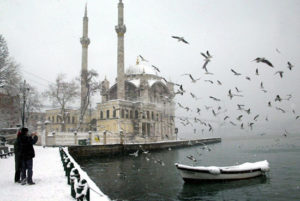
3, 154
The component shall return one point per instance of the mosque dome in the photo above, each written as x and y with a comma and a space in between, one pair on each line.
141, 67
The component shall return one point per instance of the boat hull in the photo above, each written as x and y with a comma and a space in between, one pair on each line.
190, 175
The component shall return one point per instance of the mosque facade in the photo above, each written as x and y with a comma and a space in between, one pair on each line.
140, 103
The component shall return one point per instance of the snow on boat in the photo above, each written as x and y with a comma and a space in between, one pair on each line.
243, 171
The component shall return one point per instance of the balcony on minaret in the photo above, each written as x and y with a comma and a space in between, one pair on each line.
120, 29
85, 41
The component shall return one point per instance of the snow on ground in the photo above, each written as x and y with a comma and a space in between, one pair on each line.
48, 174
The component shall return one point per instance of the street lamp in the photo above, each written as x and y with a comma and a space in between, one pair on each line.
24, 89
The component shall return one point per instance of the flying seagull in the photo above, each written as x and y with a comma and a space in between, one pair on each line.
232, 123
256, 71
255, 118
269, 104
155, 68
235, 73
135, 154
239, 118
206, 56
280, 73
280, 109
143, 59
237, 90
290, 66
180, 39
240, 106
215, 99
209, 81
193, 80
191, 158
230, 94
219, 82
278, 98
251, 125
263, 60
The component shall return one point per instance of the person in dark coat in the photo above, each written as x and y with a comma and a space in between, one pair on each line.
27, 155
18, 160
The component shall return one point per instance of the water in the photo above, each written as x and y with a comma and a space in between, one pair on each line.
145, 178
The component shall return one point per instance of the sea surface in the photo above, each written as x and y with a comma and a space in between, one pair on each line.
154, 177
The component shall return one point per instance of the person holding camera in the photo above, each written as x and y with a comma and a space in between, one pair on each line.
27, 155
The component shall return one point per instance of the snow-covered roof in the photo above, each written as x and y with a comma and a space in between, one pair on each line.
141, 67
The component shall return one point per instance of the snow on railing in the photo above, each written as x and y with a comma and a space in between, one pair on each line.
79, 181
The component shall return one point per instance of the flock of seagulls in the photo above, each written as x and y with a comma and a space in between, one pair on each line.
238, 121
231, 94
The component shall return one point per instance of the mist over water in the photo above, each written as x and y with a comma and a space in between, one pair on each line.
146, 178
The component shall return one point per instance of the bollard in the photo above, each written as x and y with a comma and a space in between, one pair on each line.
69, 168
66, 161
83, 191
74, 178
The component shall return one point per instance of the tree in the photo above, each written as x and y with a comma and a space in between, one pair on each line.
62, 93
92, 87
9, 70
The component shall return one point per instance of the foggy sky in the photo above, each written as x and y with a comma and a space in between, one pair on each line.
43, 37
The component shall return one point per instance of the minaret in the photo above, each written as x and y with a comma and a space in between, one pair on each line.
85, 41
120, 29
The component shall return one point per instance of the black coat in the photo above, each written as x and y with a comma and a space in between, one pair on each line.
26, 148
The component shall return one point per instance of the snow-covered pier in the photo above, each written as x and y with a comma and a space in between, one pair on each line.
116, 149
49, 176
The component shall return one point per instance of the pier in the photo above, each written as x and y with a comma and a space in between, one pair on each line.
118, 149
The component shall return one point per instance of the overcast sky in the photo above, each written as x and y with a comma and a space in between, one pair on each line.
43, 37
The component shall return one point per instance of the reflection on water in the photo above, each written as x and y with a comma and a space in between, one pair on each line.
194, 191
153, 176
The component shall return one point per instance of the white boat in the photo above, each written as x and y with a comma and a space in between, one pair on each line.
210, 173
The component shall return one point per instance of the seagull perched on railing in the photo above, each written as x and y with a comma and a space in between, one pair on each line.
180, 39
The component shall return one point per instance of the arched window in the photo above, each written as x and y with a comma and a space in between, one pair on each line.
148, 115
136, 114
152, 115
126, 114
101, 115
122, 113
107, 114
131, 114
114, 113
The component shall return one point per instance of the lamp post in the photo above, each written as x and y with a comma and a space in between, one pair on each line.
24, 89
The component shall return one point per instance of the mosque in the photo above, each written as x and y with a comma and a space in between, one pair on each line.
140, 103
